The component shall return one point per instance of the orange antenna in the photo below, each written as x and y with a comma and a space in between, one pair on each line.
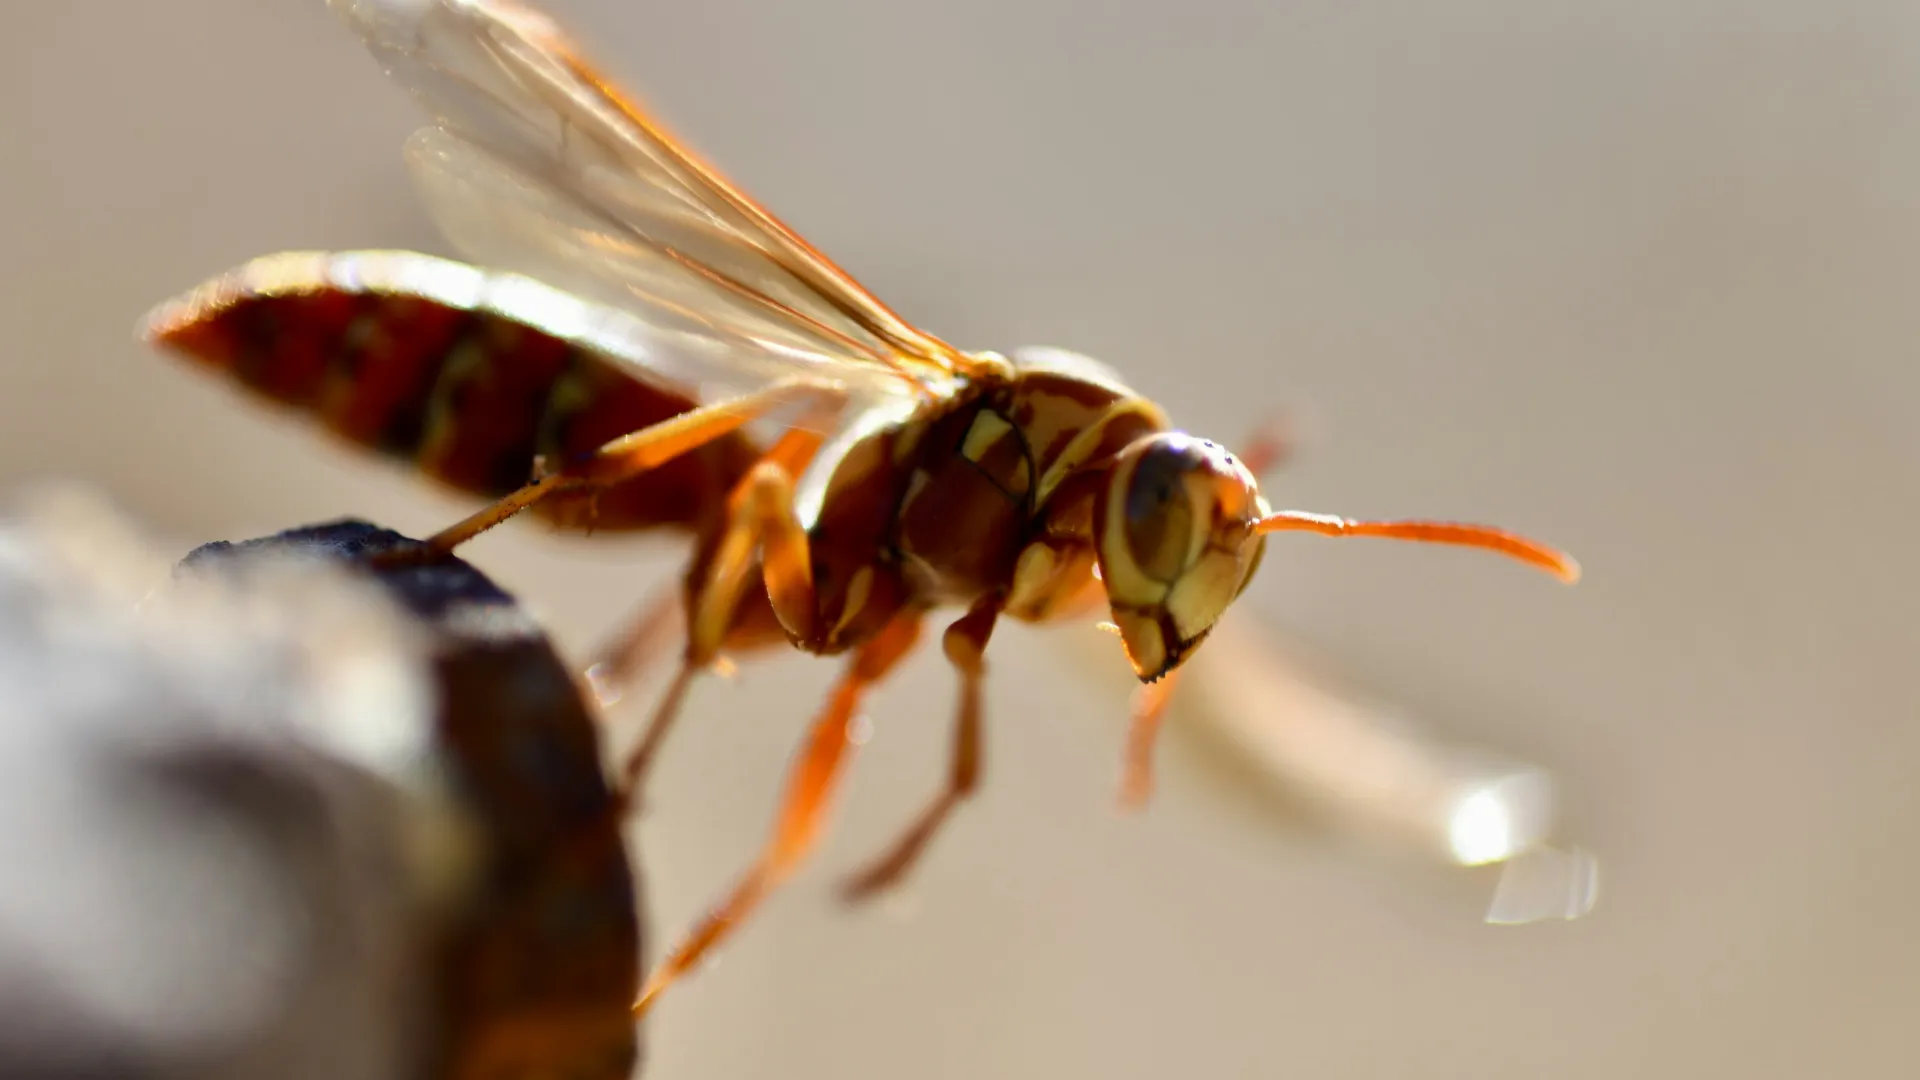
1534, 553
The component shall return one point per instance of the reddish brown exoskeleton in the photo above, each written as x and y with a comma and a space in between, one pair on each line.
653, 349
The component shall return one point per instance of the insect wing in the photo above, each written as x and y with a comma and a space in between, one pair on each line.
1545, 883
1356, 756
722, 345
517, 108
1271, 725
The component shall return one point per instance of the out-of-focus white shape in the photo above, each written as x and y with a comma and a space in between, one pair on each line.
1495, 821
606, 690
860, 729
1481, 830
1545, 883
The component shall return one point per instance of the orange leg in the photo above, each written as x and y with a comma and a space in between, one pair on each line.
636, 452
762, 522
1149, 708
1269, 447
1150, 703
810, 787
965, 644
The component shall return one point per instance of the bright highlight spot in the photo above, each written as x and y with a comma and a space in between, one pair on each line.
859, 730
1481, 829
606, 691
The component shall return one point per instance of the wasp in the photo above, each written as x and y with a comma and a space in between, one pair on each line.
636, 344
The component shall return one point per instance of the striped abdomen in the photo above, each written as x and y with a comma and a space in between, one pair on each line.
470, 376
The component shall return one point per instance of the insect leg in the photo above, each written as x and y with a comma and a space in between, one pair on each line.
1271, 446
965, 643
1149, 708
636, 452
761, 520
810, 786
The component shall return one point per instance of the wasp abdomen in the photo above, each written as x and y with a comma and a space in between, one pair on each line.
474, 396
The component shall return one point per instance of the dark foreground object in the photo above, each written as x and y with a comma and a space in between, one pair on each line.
536, 972
299, 817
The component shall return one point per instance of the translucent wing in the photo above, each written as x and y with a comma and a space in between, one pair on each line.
721, 344
1545, 883
1357, 756
1273, 729
538, 165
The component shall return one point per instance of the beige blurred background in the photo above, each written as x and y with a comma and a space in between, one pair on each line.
1632, 276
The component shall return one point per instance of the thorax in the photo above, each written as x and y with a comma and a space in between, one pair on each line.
969, 497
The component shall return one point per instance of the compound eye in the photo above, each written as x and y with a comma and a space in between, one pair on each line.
1160, 511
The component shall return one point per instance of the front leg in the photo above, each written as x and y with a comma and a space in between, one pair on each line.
965, 644
1149, 708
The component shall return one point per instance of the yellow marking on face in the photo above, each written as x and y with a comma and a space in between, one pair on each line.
1146, 646
1203, 592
